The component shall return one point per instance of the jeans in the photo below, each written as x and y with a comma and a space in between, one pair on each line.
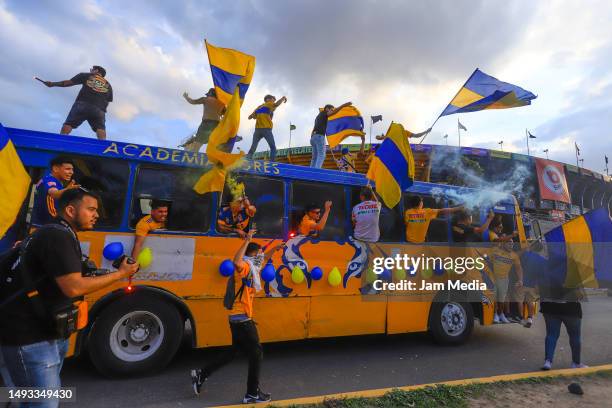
318, 150
36, 365
265, 134
245, 338
553, 330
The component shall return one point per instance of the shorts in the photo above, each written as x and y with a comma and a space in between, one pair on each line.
501, 289
204, 130
525, 294
83, 111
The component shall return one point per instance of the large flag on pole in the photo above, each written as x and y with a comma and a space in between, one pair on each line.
392, 168
482, 91
14, 182
346, 122
232, 73
230, 69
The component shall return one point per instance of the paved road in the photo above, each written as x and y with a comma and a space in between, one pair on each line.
328, 366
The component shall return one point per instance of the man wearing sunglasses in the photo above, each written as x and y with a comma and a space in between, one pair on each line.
313, 222
91, 102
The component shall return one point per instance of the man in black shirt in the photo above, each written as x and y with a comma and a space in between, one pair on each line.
317, 138
464, 231
91, 102
30, 343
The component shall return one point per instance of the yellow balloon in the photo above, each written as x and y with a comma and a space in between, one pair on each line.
426, 273
371, 276
145, 258
297, 275
400, 274
334, 277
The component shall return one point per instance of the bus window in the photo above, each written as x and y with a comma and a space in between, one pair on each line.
187, 212
267, 195
390, 222
438, 227
109, 178
304, 193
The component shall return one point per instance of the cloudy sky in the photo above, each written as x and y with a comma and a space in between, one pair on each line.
402, 59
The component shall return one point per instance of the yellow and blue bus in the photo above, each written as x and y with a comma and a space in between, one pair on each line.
133, 331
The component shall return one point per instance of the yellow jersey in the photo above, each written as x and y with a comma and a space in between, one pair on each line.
417, 223
148, 224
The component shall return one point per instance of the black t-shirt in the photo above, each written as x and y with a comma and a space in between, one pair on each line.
465, 233
95, 90
320, 125
53, 252
569, 309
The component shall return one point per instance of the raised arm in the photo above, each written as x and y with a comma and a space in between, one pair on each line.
62, 84
450, 210
336, 110
268, 254
198, 101
414, 135
280, 101
485, 226
56, 193
321, 224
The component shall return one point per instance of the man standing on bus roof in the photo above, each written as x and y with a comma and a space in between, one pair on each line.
154, 221
248, 261
365, 216
213, 110
263, 124
91, 102
313, 222
235, 218
317, 137
417, 219
50, 188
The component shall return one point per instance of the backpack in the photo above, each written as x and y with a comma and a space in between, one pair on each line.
230, 293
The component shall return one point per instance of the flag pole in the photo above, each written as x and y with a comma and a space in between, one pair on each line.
371, 122
527, 136
289, 148
440, 115
577, 154
459, 132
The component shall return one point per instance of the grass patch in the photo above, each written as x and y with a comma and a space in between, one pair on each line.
455, 396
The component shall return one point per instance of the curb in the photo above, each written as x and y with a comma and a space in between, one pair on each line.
566, 372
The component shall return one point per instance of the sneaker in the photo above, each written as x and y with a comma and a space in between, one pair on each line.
515, 319
197, 379
547, 365
579, 365
502, 318
254, 399
528, 323
496, 318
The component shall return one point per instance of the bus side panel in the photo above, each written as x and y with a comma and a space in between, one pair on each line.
407, 317
211, 325
345, 316
281, 319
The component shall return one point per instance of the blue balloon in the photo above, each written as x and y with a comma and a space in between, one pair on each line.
386, 275
439, 271
113, 251
268, 273
226, 268
316, 273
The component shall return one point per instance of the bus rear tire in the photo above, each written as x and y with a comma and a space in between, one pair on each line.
135, 334
451, 322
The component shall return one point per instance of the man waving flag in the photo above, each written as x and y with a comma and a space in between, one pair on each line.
230, 69
344, 123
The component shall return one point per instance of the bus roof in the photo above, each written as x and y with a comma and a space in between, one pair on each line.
30, 141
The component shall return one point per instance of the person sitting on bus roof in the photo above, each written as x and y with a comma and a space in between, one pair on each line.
417, 219
213, 110
464, 231
50, 188
263, 124
235, 218
91, 102
313, 222
365, 216
346, 162
154, 221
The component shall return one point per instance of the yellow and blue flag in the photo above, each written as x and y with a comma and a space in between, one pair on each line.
14, 182
346, 122
482, 91
580, 251
230, 69
392, 167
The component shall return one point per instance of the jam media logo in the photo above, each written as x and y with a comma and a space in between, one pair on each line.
553, 179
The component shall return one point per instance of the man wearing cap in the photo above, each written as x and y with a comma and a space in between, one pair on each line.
91, 102
213, 110
263, 124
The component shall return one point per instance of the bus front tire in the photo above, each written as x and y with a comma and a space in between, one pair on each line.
451, 322
135, 334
